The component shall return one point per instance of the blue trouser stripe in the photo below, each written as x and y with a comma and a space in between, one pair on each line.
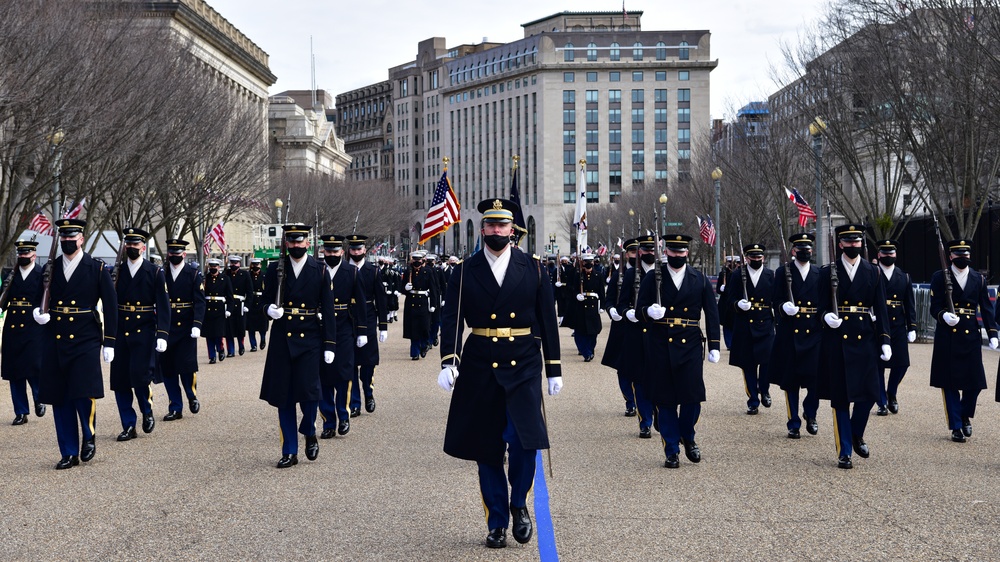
493, 482
172, 384
809, 407
67, 430
960, 404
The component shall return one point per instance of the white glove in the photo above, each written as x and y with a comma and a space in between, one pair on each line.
911, 336
161, 345
580, 297
743, 304
555, 385
245, 310
383, 335
949, 318
275, 312
328, 357
228, 314
886, 352
195, 332
656, 311
714, 355
442, 303
789, 308
614, 314
42, 319
108, 353
994, 343
396, 293
319, 316
446, 378
362, 341
431, 309
871, 312
408, 286
559, 284
832, 320
722, 288
630, 314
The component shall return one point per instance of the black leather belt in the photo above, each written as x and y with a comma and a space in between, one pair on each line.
853, 309
135, 308
684, 322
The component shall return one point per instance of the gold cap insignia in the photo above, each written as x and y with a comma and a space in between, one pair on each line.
497, 204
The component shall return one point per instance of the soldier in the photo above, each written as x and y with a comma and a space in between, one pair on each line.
256, 319
242, 286
749, 302
367, 356
589, 287
390, 281
421, 291
71, 379
506, 299
957, 359
616, 333
437, 279
856, 329
186, 289
218, 293
300, 342
901, 307
22, 338
795, 355
562, 301
726, 313
349, 306
632, 362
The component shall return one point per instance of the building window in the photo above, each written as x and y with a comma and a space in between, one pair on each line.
614, 77
592, 136
659, 95
615, 156
569, 196
569, 116
593, 196
569, 96
569, 178
637, 76
684, 54
637, 96
683, 135
615, 136
660, 175
591, 96
683, 75
637, 51
591, 116
569, 77
638, 136
661, 76
614, 96
569, 157
614, 116
660, 115
638, 156
591, 77
591, 159
660, 136
568, 54
684, 154
638, 115
569, 136
684, 115
660, 157
638, 177
592, 52
615, 53
684, 94
661, 51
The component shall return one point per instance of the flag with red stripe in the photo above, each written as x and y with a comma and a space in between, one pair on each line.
805, 212
444, 210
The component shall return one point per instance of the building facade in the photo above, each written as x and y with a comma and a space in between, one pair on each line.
302, 134
364, 120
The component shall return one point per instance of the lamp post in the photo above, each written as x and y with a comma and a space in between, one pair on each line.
552, 242
717, 179
663, 213
278, 204
816, 129
55, 139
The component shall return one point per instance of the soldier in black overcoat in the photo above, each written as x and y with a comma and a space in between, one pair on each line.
505, 297
420, 289
22, 338
303, 337
437, 279
632, 360
855, 329
390, 282
795, 354
901, 306
366, 357
186, 289
218, 295
73, 344
143, 328
615, 344
673, 343
257, 321
236, 324
589, 296
560, 283
957, 358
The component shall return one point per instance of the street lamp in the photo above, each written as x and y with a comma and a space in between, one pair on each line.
717, 179
277, 206
816, 129
55, 139
663, 213
552, 242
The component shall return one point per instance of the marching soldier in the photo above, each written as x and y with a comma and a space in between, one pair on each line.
421, 291
143, 327
242, 286
22, 338
71, 379
674, 346
589, 288
726, 313
795, 355
437, 279
616, 333
218, 293
632, 362
186, 289
506, 299
366, 357
559, 282
256, 319
957, 358
901, 307
855, 329
349, 307
390, 281
749, 302
300, 342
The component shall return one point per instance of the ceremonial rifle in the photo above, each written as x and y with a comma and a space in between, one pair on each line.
47, 272
657, 274
743, 265
864, 239
118, 260
834, 279
945, 270
791, 261
282, 255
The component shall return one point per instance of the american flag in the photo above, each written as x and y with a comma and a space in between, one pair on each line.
706, 229
805, 213
218, 234
602, 249
75, 211
41, 224
444, 211
624, 13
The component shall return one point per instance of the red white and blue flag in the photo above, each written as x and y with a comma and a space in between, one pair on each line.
805, 212
444, 211
707, 229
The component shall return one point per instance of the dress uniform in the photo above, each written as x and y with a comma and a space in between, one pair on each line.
438, 281
256, 319
559, 283
616, 333
349, 305
143, 328
186, 289
854, 329
504, 296
900, 304
218, 295
632, 373
421, 291
377, 328
589, 296
390, 281
71, 379
673, 342
300, 342
236, 324
748, 301
795, 354
957, 358
22, 338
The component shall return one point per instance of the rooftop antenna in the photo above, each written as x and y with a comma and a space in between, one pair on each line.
312, 61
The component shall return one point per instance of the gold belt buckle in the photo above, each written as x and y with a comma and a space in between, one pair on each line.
294, 311
853, 309
130, 308
674, 322
503, 332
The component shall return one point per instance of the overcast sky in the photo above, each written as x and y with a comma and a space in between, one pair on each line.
356, 42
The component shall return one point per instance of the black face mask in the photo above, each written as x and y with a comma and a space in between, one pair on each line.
852, 251
357, 258
332, 261
176, 260
497, 242
297, 253
23, 261
617, 263
887, 260
631, 261
588, 266
234, 268
648, 259
416, 264
961, 263
213, 271
676, 262
755, 264
255, 268
132, 253
68, 246
803, 255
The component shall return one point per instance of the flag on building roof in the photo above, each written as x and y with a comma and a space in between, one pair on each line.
805, 212
444, 211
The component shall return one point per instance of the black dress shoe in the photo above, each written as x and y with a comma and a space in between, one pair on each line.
148, 423
588, 358
893, 405
752, 411
645, 433
20, 419
171, 416
253, 349
89, 450
882, 411
312, 447
328, 433
423, 353
262, 344
222, 357
630, 412
794, 434
129, 433
435, 342
811, 426
415, 358
861, 448
195, 406
691, 451
370, 404
39, 410
967, 427
497, 538
228, 355
67, 462
211, 361
521, 530
672, 461
765, 400
343, 427
355, 412
845, 462
288, 460
242, 351
957, 436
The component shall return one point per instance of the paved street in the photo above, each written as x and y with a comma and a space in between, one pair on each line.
205, 487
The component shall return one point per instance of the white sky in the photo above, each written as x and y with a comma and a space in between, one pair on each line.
356, 43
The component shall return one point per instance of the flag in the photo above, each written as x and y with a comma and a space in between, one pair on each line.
707, 229
580, 214
620, 243
602, 249
805, 213
41, 224
444, 210
75, 211
520, 228
218, 234
624, 13
476, 249
970, 22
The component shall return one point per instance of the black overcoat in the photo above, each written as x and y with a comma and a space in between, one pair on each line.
795, 354
187, 310
349, 304
957, 357
143, 317
753, 330
22, 336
